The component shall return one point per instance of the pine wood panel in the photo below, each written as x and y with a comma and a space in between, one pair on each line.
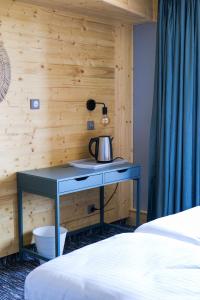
124, 107
132, 218
62, 59
155, 10
128, 11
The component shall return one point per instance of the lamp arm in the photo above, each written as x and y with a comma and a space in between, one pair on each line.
101, 103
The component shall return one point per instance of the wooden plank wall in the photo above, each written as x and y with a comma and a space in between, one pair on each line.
124, 107
128, 11
155, 10
63, 60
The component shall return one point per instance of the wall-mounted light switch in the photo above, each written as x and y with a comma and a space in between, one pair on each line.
34, 104
90, 125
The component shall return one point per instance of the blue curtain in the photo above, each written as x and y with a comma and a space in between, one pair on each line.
174, 170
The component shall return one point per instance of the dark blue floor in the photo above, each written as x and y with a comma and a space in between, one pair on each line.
13, 272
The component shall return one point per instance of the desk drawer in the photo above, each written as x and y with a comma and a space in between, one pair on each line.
80, 183
120, 175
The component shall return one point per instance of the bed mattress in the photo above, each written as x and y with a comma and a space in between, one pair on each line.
133, 266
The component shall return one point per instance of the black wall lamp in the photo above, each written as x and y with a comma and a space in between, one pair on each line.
91, 105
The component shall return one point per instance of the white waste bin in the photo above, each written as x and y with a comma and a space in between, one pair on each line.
45, 240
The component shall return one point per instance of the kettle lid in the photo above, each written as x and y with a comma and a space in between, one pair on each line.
105, 136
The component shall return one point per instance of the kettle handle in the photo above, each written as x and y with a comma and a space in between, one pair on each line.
93, 140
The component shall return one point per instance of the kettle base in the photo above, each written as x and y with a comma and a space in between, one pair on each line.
104, 162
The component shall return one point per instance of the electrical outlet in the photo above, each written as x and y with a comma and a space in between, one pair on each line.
91, 209
90, 125
34, 104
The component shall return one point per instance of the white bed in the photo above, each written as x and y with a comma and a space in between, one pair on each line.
159, 261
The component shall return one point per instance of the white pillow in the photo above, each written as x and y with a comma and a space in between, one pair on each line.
182, 226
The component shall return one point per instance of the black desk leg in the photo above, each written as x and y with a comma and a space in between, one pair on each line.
102, 206
138, 203
20, 222
57, 226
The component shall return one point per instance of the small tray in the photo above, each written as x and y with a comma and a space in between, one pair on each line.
89, 163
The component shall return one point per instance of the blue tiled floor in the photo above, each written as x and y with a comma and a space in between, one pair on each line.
13, 272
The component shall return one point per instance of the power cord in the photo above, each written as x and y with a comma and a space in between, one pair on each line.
113, 193
118, 157
108, 201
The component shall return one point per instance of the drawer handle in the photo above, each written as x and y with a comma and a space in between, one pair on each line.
122, 171
81, 178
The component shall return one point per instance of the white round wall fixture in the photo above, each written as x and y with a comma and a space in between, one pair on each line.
5, 72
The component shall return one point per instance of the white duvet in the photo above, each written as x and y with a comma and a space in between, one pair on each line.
139, 266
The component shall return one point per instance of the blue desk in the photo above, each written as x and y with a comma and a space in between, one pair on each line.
55, 182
